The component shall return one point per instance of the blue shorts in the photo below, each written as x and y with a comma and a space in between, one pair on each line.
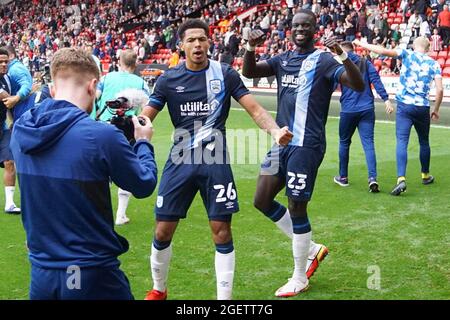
297, 165
5, 152
85, 284
181, 182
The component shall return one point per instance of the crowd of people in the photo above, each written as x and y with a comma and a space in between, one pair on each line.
107, 27
42, 136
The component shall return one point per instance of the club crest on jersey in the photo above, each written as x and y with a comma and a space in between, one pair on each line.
215, 86
159, 201
308, 65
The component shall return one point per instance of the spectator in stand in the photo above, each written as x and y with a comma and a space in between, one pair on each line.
414, 23
425, 29
246, 31
362, 23
113, 66
395, 34
265, 23
174, 59
241, 51
444, 26
350, 27
385, 70
325, 18
436, 41
282, 24
421, 7
378, 37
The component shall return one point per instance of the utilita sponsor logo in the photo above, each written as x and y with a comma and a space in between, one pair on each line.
197, 107
289, 80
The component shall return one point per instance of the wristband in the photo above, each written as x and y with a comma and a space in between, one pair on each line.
343, 56
249, 47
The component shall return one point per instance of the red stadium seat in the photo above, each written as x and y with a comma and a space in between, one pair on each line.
392, 15
443, 54
390, 20
398, 20
441, 61
433, 54
447, 63
446, 72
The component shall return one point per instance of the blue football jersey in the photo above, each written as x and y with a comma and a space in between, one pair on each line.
416, 75
198, 101
305, 84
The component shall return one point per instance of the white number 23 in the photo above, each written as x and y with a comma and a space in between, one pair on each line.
296, 181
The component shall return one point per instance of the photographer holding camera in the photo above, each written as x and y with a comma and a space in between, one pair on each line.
65, 161
109, 87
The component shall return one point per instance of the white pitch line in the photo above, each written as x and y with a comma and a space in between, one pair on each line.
377, 121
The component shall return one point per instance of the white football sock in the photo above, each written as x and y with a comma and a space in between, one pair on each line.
159, 264
285, 224
9, 197
124, 198
300, 249
224, 274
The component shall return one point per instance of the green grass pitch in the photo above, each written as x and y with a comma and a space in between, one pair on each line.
405, 239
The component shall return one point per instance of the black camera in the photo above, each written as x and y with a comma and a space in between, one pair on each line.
118, 108
46, 76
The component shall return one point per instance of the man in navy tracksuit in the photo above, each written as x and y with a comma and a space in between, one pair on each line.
65, 161
357, 111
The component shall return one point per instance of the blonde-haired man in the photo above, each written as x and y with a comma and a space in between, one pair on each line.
65, 161
109, 87
413, 106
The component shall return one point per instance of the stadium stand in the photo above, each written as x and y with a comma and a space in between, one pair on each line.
38, 28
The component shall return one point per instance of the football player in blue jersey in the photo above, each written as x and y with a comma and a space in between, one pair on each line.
6, 158
198, 94
413, 106
306, 79
358, 111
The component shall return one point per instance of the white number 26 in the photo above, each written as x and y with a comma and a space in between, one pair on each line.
231, 192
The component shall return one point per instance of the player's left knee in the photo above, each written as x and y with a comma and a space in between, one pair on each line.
222, 235
297, 209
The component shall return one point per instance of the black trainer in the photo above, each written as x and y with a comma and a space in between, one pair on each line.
428, 180
399, 188
373, 185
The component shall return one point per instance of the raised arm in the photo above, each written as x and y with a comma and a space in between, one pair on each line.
250, 68
377, 49
352, 76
